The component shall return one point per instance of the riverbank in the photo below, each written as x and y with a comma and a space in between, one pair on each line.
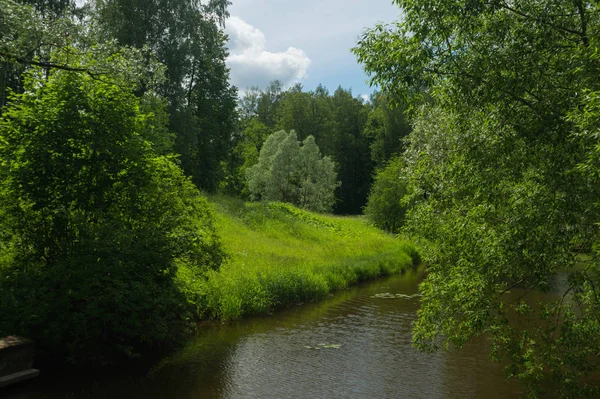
279, 255
276, 256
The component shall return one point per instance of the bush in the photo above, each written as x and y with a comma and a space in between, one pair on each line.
292, 173
384, 207
94, 224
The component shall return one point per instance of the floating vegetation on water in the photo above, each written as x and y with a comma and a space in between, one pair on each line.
324, 346
387, 295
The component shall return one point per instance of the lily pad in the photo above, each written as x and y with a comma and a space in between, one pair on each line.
323, 346
387, 295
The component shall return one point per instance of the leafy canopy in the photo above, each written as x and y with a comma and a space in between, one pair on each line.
502, 172
94, 224
385, 208
289, 172
187, 37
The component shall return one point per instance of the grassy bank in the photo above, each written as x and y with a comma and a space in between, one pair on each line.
281, 255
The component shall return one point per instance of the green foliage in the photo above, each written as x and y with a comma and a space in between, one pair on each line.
337, 122
292, 173
95, 224
282, 255
244, 156
186, 36
351, 152
26, 34
35, 38
502, 172
51, 6
385, 128
385, 208
268, 102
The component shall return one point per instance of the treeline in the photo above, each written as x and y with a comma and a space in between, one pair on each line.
358, 136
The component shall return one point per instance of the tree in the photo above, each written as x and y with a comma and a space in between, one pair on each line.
50, 6
296, 111
186, 36
384, 207
27, 36
336, 122
248, 105
32, 38
386, 127
292, 173
316, 178
268, 101
95, 225
497, 169
244, 156
351, 152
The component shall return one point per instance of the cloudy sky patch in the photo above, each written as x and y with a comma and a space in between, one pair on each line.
306, 41
252, 64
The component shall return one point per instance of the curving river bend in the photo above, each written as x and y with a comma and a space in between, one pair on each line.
364, 351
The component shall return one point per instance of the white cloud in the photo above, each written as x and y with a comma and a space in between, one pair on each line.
252, 65
366, 98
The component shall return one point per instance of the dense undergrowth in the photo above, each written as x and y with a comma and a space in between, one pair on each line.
280, 255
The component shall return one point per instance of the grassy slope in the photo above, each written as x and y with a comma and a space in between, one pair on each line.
280, 255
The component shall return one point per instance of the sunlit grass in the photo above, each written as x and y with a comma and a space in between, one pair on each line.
281, 255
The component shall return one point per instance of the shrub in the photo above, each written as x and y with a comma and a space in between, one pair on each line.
94, 223
292, 173
384, 207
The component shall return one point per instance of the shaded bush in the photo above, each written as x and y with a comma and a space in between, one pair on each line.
95, 225
384, 207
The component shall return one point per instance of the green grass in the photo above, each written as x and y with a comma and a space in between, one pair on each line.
280, 255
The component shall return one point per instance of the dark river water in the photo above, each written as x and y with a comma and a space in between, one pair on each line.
364, 351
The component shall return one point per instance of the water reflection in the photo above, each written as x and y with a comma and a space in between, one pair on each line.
364, 352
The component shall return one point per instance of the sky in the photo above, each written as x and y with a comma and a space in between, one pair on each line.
305, 41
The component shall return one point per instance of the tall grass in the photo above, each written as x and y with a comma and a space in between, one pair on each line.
281, 255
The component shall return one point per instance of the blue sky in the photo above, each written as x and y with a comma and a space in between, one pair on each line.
301, 41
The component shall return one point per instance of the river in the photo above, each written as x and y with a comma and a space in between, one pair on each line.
355, 344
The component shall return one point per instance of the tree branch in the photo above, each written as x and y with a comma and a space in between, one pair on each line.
583, 22
26, 61
51, 65
583, 34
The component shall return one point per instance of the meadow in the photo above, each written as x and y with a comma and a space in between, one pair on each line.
279, 255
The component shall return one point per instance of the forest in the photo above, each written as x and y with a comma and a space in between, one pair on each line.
131, 171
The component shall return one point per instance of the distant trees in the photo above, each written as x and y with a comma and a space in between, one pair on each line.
356, 135
386, 129
290, 172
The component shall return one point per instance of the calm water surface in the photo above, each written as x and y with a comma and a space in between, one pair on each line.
365, 352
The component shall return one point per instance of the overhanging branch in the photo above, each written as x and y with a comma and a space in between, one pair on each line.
43, 64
